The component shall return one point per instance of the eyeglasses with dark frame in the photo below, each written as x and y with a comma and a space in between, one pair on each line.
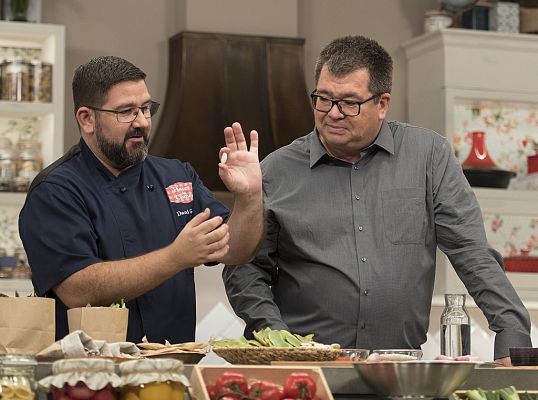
350, 108
128, 115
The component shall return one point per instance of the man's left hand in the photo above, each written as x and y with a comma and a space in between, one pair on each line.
240, 169
505, 362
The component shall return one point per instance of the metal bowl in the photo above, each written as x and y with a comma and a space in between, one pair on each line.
415, 379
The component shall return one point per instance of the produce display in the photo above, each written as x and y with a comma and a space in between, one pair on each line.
508, 393
271, 338
236, 386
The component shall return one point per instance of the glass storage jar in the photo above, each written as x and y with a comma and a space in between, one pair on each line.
82, 378
29, 163
40, 81
149, 379
17, 378
15, 80
8, 165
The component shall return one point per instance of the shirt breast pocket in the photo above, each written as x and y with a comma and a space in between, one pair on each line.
404, 212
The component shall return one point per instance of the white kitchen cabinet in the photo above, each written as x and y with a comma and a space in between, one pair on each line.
47, 43
458, 71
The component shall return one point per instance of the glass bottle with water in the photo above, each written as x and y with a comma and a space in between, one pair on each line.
455, 327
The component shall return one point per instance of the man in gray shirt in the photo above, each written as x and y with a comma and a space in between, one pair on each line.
355, 211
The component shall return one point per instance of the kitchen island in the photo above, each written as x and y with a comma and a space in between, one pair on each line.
345, 383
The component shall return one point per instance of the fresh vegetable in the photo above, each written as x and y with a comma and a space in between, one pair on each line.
300, 385
212, 391
271, 338
232, 384
507, 393
265, 390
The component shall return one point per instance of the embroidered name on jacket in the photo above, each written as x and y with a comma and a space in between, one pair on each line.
180, 192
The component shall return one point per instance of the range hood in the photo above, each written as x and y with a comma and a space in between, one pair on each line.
217, 79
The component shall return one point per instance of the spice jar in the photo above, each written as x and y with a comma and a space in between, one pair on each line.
15, 80
149, 379
82, 378
17, 378
40, 81
8, 165
29, 163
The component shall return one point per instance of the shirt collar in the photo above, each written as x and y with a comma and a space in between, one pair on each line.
384, 140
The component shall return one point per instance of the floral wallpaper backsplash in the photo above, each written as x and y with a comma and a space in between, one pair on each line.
511, 136
511, 131
512, 236
20, 128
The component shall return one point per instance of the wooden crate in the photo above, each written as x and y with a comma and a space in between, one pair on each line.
203, 375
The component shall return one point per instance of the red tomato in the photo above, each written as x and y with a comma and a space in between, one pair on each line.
232, 384
300, 385
212, 391
265, 390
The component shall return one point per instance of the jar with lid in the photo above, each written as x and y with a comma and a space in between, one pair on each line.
82, 378
455, 327
15, 80
153, 379
40, 81
8, 165
17, 378
22, 269
29, 163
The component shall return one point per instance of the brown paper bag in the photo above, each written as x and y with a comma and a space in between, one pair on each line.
103, 323
27, 324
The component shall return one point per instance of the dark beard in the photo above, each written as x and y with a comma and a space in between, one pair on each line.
117, 154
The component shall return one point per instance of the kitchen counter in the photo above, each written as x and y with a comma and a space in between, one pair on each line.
344, 381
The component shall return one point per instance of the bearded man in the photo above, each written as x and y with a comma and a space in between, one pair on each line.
107, 221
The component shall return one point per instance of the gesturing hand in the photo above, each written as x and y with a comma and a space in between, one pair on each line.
240, 168
201, 240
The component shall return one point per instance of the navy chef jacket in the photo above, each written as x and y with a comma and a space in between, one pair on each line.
77, 213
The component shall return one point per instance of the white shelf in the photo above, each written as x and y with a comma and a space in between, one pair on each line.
50, 41
451, 66
12, 198
25, 109
23, 287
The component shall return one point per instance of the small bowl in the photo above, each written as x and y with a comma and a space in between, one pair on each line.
395, 355
415, 379
524, 355
354, 355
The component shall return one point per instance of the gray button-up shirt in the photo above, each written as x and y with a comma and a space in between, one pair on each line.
349, 252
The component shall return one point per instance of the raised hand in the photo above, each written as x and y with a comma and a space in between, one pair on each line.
239, 168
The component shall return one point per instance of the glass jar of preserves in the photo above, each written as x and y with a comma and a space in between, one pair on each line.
40, 81
8, 165
17, 376
29, 163
82, 378
149, 379
15, 80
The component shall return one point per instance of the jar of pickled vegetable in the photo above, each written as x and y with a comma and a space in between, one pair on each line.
17, 378
82, 378
150, 379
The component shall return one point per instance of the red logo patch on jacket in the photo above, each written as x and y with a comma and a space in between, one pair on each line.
180, 192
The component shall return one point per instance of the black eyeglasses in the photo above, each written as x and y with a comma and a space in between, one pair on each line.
128, 115
349, 108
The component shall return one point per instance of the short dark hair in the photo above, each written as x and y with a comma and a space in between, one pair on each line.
347, 54
93, 80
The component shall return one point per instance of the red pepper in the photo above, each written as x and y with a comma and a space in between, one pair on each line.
212, 391
264, 390
231, 384
300, 385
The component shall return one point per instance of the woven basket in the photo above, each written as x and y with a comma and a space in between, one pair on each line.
265, 355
